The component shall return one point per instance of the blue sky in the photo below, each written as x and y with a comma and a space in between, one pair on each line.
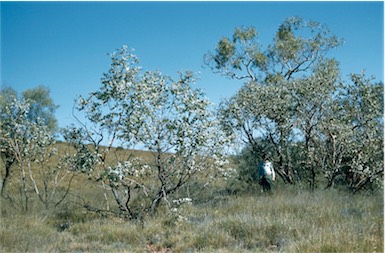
64, 45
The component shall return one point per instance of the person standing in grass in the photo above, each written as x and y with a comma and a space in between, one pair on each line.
266, 174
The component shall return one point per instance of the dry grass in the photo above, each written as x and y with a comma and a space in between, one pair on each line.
289, 220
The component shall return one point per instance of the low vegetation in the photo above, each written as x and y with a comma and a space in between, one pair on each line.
287, 221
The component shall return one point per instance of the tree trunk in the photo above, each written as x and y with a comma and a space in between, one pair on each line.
162, 192
24, 186
8, 164
122, 208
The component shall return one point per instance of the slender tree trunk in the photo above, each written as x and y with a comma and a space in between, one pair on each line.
161, 194
156, 201
67, 191
118, 200
105, 196
8, 164
34, 181
162, 191
24, 187
313, 179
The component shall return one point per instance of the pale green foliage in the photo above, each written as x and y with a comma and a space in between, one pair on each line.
18, 133
314, 124
297, 46
84, 159
42, 106
263, 112
169, 118
27, 126
19, 115
242, 53
26, 141
314, 96
7, 95
362, 104
351, 136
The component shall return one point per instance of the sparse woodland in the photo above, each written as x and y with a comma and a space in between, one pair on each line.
150, 164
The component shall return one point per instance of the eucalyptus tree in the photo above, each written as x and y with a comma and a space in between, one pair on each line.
263, 112
20, 114
42, 106
268, 105
315, 97
7, 95
296, 47
166, 117
26, 142
357, 131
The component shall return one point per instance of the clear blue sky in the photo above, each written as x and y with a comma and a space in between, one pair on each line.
64, 45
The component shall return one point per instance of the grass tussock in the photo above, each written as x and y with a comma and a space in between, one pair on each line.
286, 221
222, 217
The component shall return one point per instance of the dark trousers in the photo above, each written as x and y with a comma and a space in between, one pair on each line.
266, 183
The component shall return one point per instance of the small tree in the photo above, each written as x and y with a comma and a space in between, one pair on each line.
355, 134
315, 97
27, 141
263, 112
16, 135
168, 118
7, 97
36, 107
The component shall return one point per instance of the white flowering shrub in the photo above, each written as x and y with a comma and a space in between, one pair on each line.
166, 117
84, 159
361, 119
29, 142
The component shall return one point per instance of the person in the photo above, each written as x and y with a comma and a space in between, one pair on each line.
266, 174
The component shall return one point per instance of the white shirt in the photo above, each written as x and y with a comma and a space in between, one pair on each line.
268, 169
